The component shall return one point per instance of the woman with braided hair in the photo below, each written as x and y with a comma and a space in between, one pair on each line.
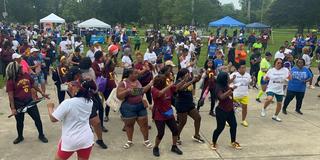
19, 87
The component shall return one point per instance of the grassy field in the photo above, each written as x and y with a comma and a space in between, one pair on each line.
278, 38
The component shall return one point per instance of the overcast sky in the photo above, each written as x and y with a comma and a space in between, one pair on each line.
235, 3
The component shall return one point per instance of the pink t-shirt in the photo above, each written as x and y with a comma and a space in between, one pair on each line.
25, 66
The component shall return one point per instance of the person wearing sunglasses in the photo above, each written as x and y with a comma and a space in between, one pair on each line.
74, 114
277, 77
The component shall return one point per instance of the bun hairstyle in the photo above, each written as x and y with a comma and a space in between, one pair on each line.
86, 89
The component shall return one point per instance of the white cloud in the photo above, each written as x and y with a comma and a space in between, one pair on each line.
235, 3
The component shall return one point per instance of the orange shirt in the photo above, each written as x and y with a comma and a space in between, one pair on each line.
240, 55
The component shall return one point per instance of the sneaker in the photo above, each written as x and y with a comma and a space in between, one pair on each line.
43, 139
258, 100
276, 118
106, 119
156, 151
213, 146
263, 112
104, 129
198, 139
18, 140
212, 113
102, 144
236, 145
245, 123
227, 124
176, 150
311, 87
299, 112
284, 111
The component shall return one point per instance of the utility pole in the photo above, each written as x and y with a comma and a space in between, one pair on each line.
192, 11
249, 10
5, 13
261, 11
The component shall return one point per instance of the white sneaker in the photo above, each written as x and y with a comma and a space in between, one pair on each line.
276, 118
311, 87
263, 112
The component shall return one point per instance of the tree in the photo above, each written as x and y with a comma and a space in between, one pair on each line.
207, 10
291, 12
258, 9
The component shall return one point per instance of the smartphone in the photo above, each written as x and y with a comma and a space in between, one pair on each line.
137, 91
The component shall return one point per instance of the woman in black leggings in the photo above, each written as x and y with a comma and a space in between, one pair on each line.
162, 112
224, 111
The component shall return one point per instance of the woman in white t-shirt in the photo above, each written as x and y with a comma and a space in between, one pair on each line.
276, 77
241, 79
74, 114
126, 61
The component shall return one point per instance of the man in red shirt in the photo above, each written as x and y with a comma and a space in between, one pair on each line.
19, 87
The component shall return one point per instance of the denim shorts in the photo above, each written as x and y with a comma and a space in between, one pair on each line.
279, 98
130, 111
38, 79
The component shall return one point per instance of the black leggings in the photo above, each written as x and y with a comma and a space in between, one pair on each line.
97, 102
34, 114
290, 95
222, 117
106, 96
212, 97
171, 123
61, 94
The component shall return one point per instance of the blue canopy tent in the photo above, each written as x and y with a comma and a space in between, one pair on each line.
257, 25
226, 22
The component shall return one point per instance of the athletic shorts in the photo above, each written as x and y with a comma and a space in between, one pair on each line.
82, 153
131, 111
279, 98
38, 79
242, 100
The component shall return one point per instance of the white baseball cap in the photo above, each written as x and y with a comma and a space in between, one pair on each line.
15, 56
34, 50
169, 63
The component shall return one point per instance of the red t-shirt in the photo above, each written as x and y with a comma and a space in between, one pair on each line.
21, 88
161, 104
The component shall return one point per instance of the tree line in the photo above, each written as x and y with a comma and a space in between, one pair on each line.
178, 12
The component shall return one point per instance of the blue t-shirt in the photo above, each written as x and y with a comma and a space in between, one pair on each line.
299, 76
218, 63
212, 50
167, 53
301, 42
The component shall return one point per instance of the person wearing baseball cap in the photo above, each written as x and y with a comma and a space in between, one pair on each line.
265, 65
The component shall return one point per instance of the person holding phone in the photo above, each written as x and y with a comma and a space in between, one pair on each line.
133, 109
74, 114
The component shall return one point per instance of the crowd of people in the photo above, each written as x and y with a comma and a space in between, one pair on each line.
29, 56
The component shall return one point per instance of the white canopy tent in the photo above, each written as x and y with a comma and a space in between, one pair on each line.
93, 23
52, 18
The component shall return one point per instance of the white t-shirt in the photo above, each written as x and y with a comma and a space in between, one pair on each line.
127, 62
63, 46
242, 82
277, 80
184, 63
279, 55
150, 57
80, 45
74, 114
307, 59
15, 45
90, 54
